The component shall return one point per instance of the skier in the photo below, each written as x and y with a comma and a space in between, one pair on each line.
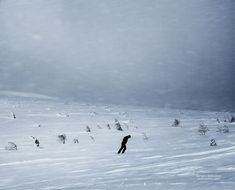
123, 145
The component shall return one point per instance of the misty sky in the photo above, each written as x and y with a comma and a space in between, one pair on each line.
177, 53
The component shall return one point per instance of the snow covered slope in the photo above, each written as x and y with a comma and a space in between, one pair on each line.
158, 155
22, 95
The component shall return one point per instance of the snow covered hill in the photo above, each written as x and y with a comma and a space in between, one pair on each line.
23, 95
158, 156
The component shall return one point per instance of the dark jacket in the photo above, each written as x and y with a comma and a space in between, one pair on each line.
125, 139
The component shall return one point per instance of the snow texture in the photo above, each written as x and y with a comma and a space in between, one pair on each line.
158, 155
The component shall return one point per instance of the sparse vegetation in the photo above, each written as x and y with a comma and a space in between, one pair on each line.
232, 119
62, 138
93, 113
118, 125
124, 114
145, 137
99, 127
176, 123
223, 129
83, 139
37, 142
213, 142
13, 115
92, 138
11, 146
203, 129
88, 129
127, 127
75, 141
108, 126
136, 127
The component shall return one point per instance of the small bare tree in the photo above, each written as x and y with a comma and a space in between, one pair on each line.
11, 146
232, 119
93, 113
36, 141
223, 129
213, 142
99, 127
88, 129
75, 140
127, 127
118, 125
176, 123
62, 138
92, 138
145, 137
203, 129
108, 126
13, 115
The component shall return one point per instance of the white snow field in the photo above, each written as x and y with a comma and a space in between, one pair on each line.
169, 158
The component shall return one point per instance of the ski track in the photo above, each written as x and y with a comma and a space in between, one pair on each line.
172, 158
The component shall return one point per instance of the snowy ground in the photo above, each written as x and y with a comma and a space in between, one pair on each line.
172, 157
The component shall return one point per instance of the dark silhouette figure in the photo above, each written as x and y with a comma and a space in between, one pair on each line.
123, 145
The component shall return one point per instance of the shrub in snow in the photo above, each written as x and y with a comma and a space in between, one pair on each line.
125, 114
62, 138
13, 115
11, 146
203, 129
176, 123
88, 129
213, 143
99, 127
232, 119
223, 129
145, 137
36, 141
75, 141
92, 138
93, 113
131, 121
127, 127
118, 125
218, 120
108, 126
